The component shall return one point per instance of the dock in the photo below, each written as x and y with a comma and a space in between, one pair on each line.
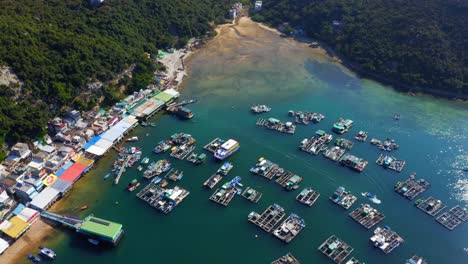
252, 194
431, 206
391, 162
308, 196
174, 175
275, 124
316, 143
367, 216
290, 228
343, 198
335, 249
269, 218
286, 259
181, 152
214, 145
289, 180
164, 200
353, 162
411, 188
344, 143
334, 153
386, 239
122, 169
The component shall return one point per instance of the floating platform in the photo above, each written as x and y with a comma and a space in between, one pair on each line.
269, 218
344, 143
223, 196
212, 180
317, 143
174, 175
214, 145
342, 126
450, 219
335, 249
343, 198
301, 117
182, 151
308, 196
334, 153
391, 162
289, 180
164, 200
290, 228
386, 239
286, 259
275, 124
353, 260
267, 169
416, 260
431, 206
353, 162
252, 195
367, 216
411, 188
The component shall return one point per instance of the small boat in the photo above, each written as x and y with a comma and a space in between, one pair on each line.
34, 258
144, 124
132, 139
47, 253
107, 176
152, 124
396, 117
131, 189
164, 183
156, 180
93, 241
84, 207
145, 160
140, 168
372, 197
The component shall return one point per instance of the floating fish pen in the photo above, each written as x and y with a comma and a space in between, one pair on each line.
411, 188
182, 151
386, 239
275, 124
252, 194
258, 109
391, 162
343, 198
267, 169
335, 249
225, 168
305, 118
453, 217
174, 175
353, 162
308, 196
286, 259
334, 153
289, 180
214, 145
290, 228
269, 218
387, 145
164, 200
223, 196
316, 143
212, 181
344, 143
367, 216
361, 136
342, 126
156, 168
353, 260
196, 158
179, 139
162, 146
416, 260
431, 206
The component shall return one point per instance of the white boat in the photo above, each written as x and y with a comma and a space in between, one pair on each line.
132, 139
227, 149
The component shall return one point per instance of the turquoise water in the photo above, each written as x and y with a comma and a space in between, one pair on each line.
227, 77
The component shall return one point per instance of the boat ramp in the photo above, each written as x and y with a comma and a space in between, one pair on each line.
164, 200
275, 124
335, 249
286, 259
411, 188
391, 162
252, 194
386, 239
343, 198
453, 217
269, 218
344, 143
430, 206
308, 196
353, 162
290, 228
334, 153
367, 216
316, 143
214, 145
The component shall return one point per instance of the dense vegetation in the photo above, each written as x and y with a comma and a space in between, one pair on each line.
57, 47
418, 44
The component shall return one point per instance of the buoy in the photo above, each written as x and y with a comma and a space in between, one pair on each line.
256, 235
116, 202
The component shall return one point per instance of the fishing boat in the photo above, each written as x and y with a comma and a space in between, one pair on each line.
93, 241
225, 168
145, 160
133, 185
227, 149
144, 124
34, 258
84, 207
200, 159
156, 180
132, 139
47, 253
164, 183
140, 168
396, 117
107, 176
371, 197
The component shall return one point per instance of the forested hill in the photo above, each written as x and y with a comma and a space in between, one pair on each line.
57, 46
419, 43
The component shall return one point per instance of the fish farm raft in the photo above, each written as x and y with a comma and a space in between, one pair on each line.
252, 195
411, 188
335, 249
308, 196
366, 216
386, 239
290, 228
431, 206
269, 218
453, 217
343, 198
164, 200
275, 124
286, 259
391, 162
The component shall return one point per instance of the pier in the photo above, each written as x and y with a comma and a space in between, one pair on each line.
411, 188
334, 153
290, 228
386, 239
252, 194
431, 206
366, 216
286, 259
275, 124
214, 145
391, 162
335, 249
164, 200
269, 218
353, 162
308, 196
122, 169
343, 198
